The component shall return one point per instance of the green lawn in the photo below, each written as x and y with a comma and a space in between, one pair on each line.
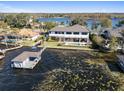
54, 44
27, 43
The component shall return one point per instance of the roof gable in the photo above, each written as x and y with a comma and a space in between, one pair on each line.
75, 28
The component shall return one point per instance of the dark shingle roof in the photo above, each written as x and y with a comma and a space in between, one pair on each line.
75, 28
115, 33
121, 57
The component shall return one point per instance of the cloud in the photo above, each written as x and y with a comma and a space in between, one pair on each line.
9, 9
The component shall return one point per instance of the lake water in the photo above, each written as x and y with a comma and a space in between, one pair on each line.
60, 20
114, 21
26, 80
89, 22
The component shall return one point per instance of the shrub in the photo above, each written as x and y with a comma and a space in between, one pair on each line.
59, 44
97, 41
40, 38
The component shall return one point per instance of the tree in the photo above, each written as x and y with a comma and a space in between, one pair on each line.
97, 41
16, 21
3, 25
122, 32
121, 23
122, 44
94, 26
49, 25
79, 21
106, 23
113, 43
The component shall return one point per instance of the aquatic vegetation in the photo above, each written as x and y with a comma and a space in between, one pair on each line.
76, 74
74, 80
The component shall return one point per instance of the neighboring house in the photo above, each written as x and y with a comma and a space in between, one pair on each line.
1, 37
108, 33
39, 31
29, 33
9, 38
72, 35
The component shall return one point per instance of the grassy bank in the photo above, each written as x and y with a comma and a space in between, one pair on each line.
55, 44
27, 43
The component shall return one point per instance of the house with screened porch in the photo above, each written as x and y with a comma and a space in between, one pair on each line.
72, 35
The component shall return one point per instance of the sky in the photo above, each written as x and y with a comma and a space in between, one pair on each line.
62, 6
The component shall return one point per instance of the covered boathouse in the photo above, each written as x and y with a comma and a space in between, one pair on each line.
27, 59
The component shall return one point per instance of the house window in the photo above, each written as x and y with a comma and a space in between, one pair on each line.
62, 32
59, 32
56, 32
84, 40
84, 33
49, 32
76, 33
68, 32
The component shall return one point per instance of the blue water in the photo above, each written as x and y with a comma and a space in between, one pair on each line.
90, 22
60, 20
115, 22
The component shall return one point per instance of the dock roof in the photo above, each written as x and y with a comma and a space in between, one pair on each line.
24, 55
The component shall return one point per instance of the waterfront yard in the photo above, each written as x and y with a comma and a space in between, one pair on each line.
63, 69
27, 42
55, 44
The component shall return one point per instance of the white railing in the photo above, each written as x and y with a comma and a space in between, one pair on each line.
76, 43
69, 36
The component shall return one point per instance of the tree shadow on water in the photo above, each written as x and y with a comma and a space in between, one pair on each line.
114, 67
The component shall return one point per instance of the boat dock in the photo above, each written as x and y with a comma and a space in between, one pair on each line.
27, 59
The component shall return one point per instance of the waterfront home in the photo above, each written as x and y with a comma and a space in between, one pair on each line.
72, 35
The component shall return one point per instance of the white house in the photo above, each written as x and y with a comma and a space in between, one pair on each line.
72, 35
